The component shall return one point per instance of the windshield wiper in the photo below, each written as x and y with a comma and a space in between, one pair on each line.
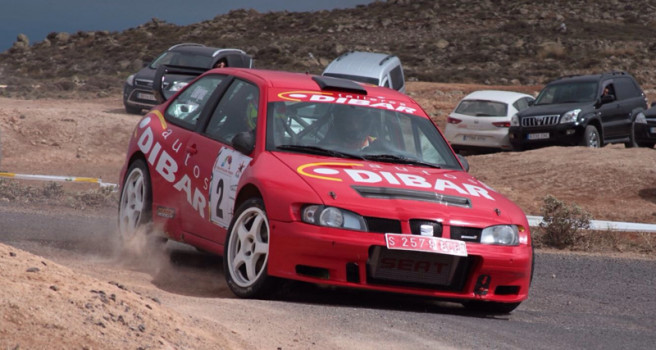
399, 159
319, 151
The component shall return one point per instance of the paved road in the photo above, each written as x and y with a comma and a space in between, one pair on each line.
576, 302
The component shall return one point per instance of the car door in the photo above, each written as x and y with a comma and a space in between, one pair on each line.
182, 118
613, 114
216, 166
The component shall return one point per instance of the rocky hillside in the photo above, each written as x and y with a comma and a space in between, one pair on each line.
501, 42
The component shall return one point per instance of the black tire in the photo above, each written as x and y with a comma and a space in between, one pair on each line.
646, 144
632, 139
133, 110
135, 203
591, 137
490, 308
246, 254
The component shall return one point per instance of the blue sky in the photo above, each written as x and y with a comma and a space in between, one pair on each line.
37, 18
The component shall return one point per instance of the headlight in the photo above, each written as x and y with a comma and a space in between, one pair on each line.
514, 121
570, 117
130, 80
333, 217
640, 118
501, 234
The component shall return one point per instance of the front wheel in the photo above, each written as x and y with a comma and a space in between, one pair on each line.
632, 139
591, 137
247, 251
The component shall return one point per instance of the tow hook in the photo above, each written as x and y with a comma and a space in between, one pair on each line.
482, 286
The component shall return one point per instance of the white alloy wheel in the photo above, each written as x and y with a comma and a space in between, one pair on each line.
249, 247
134, 206
247, 251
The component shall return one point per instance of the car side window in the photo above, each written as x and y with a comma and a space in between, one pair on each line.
186, 108
626, 88
521, 104
397, 78
236, 112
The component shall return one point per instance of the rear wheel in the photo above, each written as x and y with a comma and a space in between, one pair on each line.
135, 205
246, 255
591, 137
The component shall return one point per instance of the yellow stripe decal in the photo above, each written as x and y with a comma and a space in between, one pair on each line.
301, 170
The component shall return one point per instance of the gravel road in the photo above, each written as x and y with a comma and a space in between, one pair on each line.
577, 301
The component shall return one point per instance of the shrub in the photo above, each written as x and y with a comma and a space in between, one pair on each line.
562, 224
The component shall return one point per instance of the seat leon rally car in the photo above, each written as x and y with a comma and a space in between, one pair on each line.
323, 180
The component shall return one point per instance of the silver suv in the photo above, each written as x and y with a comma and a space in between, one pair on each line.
368, 67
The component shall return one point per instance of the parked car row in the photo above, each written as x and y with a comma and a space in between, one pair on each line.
191, 59
589, 110
138, 90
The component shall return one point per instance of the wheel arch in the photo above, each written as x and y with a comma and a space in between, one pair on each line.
597, 124
246, 192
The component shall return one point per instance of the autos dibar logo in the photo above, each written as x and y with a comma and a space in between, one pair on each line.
539, 120
358, 173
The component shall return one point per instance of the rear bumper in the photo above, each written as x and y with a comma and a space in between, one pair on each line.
348, 259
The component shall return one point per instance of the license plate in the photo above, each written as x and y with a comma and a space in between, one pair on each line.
538, 136
144, 96
473, 138
414, 267
426, 244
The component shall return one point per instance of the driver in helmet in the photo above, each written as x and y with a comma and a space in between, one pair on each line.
350, 127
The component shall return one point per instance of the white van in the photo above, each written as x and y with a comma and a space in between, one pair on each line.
368, 67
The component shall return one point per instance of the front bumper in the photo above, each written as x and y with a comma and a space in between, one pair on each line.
560, 134
646, 133
343, 258
138, 97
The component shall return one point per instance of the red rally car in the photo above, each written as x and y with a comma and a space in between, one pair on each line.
323, 180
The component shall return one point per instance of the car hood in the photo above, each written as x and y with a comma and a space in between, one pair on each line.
403, 191
552, 109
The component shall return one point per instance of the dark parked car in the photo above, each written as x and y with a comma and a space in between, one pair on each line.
645, 127
138, 89
590, 110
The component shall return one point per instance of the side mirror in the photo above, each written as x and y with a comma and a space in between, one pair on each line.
464, 162
531, 102
244, 142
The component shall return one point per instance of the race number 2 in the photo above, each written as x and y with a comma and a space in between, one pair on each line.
227, 170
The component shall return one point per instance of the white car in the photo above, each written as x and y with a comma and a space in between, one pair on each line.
481, 119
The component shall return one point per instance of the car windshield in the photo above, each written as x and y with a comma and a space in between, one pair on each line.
182, 59
356, 132
481, 108
571, 92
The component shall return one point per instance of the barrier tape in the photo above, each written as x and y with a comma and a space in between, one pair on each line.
533, 221
600, 225
57, 178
